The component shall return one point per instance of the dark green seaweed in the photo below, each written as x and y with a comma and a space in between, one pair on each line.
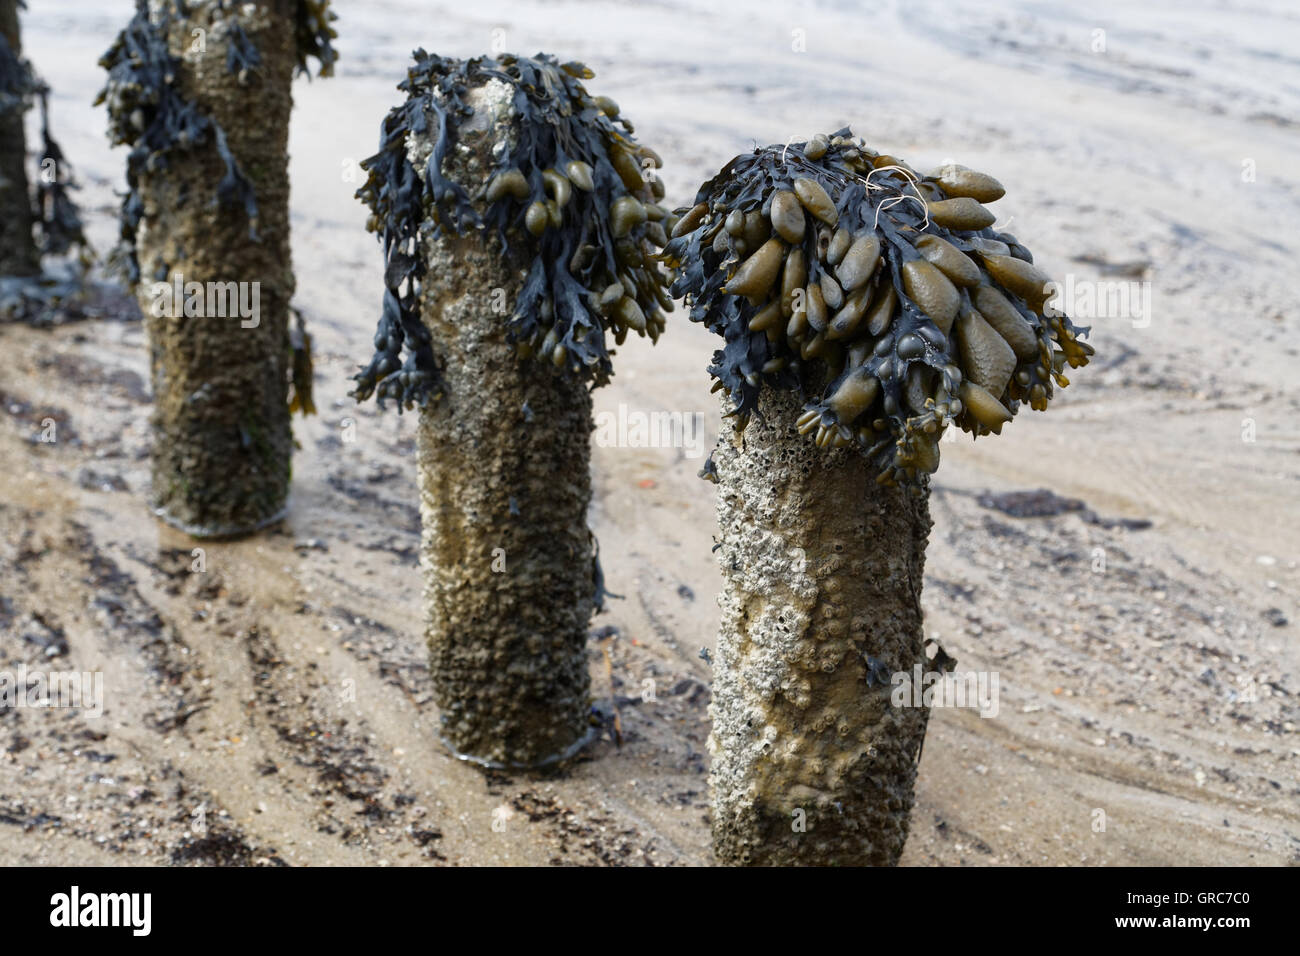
752, 360
559, 123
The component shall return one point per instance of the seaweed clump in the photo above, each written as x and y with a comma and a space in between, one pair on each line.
58, 220
149, 112
883, 297
315, 35
573, 184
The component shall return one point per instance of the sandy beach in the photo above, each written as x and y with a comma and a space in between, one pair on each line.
1141, 614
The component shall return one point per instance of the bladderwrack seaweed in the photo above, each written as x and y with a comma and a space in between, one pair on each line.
572, 184
882, 296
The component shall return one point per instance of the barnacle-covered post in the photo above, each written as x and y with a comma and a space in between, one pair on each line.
201, 93
48, 223
18, 256
865, 309
518, 220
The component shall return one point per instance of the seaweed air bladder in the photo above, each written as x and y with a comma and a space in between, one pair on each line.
865, 309
520, 224
205, 241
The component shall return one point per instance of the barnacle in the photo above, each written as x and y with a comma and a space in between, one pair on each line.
883, 297
148, 112
574, 187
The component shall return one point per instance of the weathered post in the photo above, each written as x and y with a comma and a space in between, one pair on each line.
868, 308
518, 221
18, 256
201, 92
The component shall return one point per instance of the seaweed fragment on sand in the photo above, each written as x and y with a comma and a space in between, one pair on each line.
574, 186
884, 298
